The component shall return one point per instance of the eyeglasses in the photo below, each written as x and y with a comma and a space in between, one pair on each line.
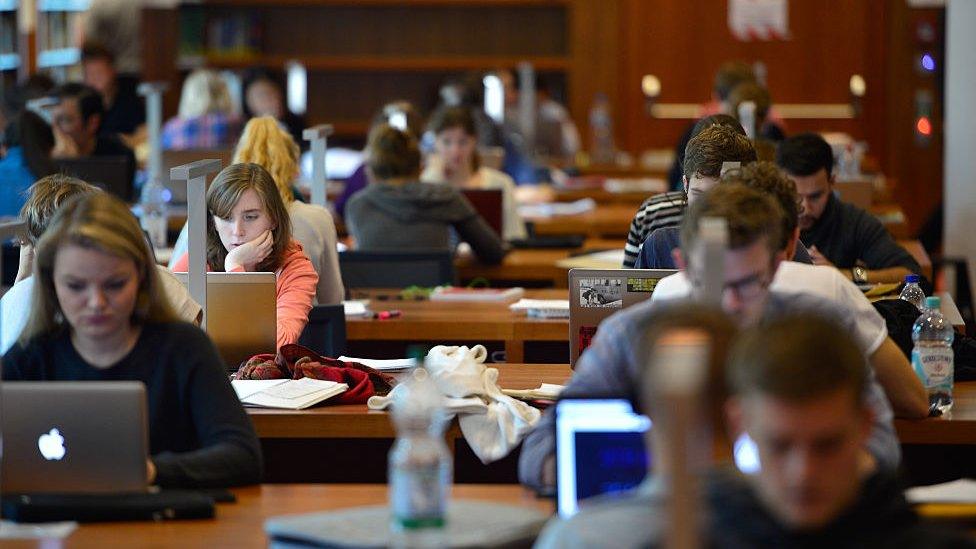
746, 288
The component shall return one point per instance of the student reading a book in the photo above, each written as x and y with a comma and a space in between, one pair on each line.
44, 199
206, 118
455, 161
248, 230
266, 143
99, 314
398, 212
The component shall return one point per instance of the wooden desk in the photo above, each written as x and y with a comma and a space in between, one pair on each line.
960, 428
241, 524
524, 266
605, 221
439, 321
356, 421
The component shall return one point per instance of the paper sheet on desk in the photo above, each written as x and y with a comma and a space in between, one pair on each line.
383, 365
356, 307
546, 391
557, 208
957, 491
607, 259
247, 387
42, 530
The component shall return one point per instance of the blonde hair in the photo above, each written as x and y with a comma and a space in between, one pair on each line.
224, 193
204, 92
45, 198
101, 222
265, 143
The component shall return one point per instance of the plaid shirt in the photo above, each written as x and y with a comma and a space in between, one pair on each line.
210, 131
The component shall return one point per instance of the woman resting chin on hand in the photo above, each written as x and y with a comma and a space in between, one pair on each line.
248, 229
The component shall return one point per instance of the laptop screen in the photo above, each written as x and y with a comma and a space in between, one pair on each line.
599, 450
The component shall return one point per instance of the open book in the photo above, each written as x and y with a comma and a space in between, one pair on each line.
291, 394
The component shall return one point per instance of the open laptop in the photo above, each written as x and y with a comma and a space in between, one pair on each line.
112, 174
595, 294
74, 437
241, 314
171, 159
599, 450
488, 204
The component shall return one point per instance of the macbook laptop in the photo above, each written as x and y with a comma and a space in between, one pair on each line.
74, 437
595, 294
241, 314
112, 174
599, 450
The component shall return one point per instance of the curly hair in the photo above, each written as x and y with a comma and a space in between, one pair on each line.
265, 143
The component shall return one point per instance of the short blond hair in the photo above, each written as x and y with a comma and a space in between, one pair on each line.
45, 197
96, 221
266, 144
204, 92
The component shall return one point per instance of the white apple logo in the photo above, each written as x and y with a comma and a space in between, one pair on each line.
51, 445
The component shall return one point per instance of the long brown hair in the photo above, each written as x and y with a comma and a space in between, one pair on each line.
96, 221
224, 193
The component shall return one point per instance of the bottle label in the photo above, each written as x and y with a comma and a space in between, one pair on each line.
418, 498
934, 366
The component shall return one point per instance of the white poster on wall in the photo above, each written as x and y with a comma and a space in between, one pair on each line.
759, 19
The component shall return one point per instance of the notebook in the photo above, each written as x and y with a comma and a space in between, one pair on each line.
596, 294
290, 394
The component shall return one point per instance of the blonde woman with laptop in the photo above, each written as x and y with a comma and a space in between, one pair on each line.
99, 315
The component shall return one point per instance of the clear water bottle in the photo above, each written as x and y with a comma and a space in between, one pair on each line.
601, 130
932, 356
912, 292
419, 465
154, 202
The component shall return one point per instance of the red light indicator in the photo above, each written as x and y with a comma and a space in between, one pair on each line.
923, 126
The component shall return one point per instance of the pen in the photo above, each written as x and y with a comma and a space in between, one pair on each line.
384, 315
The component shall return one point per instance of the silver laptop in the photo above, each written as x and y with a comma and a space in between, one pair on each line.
595, 294
241, 314
74, 437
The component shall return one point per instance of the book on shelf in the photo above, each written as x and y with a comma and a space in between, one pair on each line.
454, 293
289, 394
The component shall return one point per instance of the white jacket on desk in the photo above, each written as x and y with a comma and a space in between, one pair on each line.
493, 424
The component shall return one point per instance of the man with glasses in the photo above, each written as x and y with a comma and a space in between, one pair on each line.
755, 223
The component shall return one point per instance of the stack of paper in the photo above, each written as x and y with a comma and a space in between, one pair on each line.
291, 394
542, 308
454, 293
356, 307
389, 365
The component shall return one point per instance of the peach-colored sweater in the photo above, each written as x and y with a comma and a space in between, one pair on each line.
295, 285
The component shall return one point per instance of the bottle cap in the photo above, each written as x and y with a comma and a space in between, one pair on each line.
933, 302
912, 278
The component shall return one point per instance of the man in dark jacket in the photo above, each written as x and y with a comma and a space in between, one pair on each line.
839, 234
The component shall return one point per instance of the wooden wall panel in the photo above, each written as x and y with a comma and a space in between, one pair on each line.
684, 43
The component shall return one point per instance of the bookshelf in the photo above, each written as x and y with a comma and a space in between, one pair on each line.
10, 61
362, 53
54, 35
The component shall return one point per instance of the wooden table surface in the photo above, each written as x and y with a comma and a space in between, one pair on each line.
538, 265
241, 524
356, 421
605, 221
958, 428
435, 321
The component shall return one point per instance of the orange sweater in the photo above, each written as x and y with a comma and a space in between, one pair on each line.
295, 283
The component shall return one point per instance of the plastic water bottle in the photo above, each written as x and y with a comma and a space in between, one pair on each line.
912, 292
154, 202
932, 356
601, 130
419, 465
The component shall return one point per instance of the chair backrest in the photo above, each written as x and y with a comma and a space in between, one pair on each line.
325, 332
396, 269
